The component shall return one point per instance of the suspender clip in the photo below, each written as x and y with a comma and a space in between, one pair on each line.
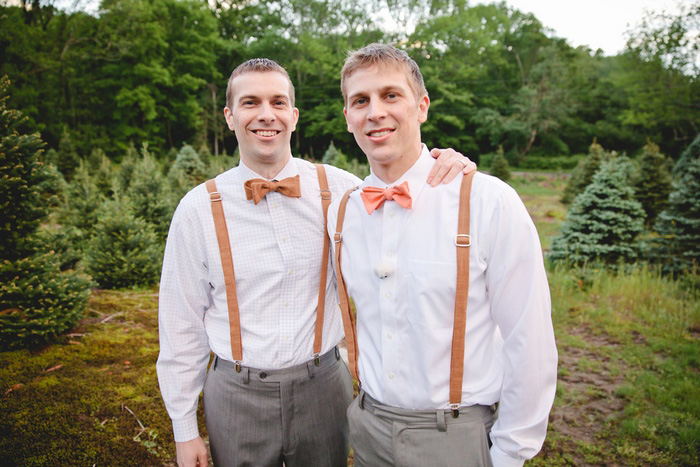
463, 240
238, 366
214, 196
326, 194
317, 359
337, 237
455, 410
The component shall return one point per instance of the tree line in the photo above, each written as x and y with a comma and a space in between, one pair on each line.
155, 72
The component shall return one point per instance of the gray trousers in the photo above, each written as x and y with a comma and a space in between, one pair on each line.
295, 416
386, 436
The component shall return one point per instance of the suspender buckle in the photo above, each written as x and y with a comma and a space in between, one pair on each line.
463, 240
317, 359
337, 237
326, 194
455, 410
238, 366
214, 196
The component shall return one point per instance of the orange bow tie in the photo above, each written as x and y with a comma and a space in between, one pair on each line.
257, 188
374, 197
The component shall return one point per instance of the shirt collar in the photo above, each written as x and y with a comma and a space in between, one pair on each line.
289, 170
416, 176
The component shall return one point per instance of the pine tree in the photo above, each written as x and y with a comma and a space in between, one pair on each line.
187, 171
37, 300
67, 158
82, 199
126, 168
150, 195
124, 250
652, 183
582, 175
603, 221
678, 246
499, 165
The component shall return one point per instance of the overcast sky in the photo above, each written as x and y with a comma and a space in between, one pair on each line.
599, 24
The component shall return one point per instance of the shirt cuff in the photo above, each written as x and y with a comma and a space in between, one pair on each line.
185, 429
501, 459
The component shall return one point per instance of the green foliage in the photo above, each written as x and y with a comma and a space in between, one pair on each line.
582, 175
690, 154
652, 183
82, 199
499, 166
337, 158
678, 244
150, 195
37, 300
67, 158
187, 171
602, 223
124, 250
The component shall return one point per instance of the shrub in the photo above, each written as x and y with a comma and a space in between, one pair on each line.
124, 250
603, 221
187, 171
37, 300
499, 166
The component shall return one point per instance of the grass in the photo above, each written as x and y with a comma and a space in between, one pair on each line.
628, 390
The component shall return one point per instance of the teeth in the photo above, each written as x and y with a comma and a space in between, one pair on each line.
379, 133
266, 133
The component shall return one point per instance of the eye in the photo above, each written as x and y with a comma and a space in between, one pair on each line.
248, 103
280, 103
360, 101
392, 95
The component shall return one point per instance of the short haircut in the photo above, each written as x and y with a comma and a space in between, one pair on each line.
383, 55
256, 65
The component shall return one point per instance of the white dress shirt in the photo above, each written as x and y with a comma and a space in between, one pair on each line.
400, 268
277, 247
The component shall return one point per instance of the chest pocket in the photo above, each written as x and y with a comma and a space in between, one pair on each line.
432, 292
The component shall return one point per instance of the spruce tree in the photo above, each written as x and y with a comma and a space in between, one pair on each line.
691, 153
678, 246
187, 171
38, 301
582, 175
67, 158
602, 223
499, 166
652, 183
124, 250
150, 195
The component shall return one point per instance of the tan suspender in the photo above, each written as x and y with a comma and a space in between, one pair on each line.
462, 242
230, 278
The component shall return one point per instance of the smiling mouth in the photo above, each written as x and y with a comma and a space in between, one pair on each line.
379, 133
266, 133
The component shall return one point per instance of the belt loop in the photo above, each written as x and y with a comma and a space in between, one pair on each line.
361, 402
246, 375
216, 360
337, 353
310, 368
441, 425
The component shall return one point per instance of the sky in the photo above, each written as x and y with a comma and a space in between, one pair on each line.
598, 24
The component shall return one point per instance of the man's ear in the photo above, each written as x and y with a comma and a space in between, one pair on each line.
296, 118
423, 105
228, 117
345, 113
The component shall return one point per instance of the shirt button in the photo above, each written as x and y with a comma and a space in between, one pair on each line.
392, 214
389, 254
391, 375
274, 205
286, 304
289, 272
388, 295
389, 336
284, 239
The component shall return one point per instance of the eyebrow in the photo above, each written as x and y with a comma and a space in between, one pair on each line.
252, 96
384, 90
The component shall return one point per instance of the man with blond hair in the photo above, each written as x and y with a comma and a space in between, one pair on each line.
245, 277
453, 345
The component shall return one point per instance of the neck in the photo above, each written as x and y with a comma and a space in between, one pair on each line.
266, 169
393, 170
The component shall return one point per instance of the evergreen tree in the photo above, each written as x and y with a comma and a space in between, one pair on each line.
499, 165
37, 300
602, 223
334, 156
582, 175
124, 250
691, 153
67, 158
652, 183
678, 246
82, 199
187, 171
126, 168
150, 195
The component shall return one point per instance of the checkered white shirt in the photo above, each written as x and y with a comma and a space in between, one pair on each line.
277, 247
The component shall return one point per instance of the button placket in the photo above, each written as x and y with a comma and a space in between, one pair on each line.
387, 292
